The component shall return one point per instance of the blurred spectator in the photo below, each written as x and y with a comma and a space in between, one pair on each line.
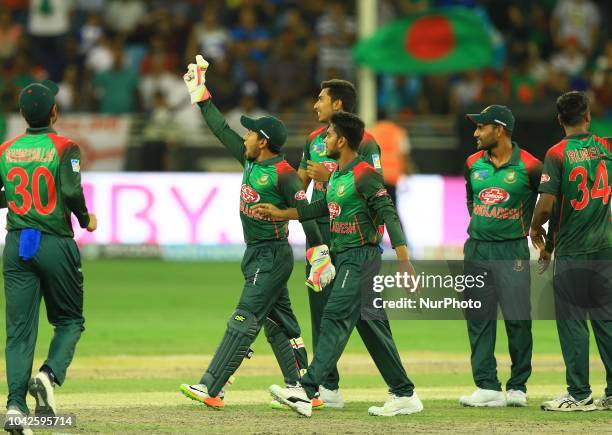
161, 135
159, 81
467, 89
523, 86
67, 98
602, 83
336, 30
437, 97
10, 32
570, 60
248, 107
287, 77
48, 24
517, 35
539, 32
91, 31
208, 37
398, 94
159, 54
250, 39
100, 57
222, 85
538, 68
116, 89
123, 16
302, 36
558, 83
578, 19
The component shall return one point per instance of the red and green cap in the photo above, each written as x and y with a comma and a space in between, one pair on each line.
37, 99
494, 114
269, 127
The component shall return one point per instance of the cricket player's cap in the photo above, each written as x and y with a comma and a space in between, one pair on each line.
494, 114
37, 99
269, 127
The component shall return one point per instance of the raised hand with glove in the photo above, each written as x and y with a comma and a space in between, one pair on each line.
322, 270
195, 79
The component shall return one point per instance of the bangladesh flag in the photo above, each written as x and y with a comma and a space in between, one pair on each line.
436, 41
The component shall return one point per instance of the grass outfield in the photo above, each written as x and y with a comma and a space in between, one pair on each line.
151, 325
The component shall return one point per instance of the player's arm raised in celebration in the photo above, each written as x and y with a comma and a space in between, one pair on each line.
195, 80
71, 188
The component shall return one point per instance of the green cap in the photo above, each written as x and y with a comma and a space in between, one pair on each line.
37, 99
269, 127
494, 114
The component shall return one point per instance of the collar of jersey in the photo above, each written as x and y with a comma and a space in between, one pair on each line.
514, 160
350, 166
578, 136
39, 130
272, 161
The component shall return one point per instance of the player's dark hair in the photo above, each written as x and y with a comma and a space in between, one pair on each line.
348, 126
572, 107
341, 90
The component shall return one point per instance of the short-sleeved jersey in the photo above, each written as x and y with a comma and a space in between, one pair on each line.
358, 207
501, 200
315, 150
576, 171
40, 172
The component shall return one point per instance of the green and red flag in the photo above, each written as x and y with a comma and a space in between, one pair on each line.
436, 41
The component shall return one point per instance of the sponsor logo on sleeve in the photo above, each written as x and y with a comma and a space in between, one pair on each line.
76, 165
334, 210
248, 194
493, 195
545, 178
376, 161
300, 195
481, 175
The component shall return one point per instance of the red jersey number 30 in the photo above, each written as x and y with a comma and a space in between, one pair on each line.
20, 176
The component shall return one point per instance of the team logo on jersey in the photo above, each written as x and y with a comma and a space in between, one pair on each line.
340, 191
545, 178
493, 195
334, 210
510, 177
481, 175
76, 165
331, 166
300, 195
248, 194
263, 180
376, 161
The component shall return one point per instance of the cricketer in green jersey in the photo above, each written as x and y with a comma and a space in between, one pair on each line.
268, 259
357, 205
316, 166
501, 182
40, 173
575, 185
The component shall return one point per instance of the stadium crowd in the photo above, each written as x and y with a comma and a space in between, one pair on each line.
124, 56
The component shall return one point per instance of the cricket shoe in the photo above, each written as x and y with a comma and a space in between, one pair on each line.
294, 397
331, 398
566, 403
484, 398
397, 405
13, 423
199, 392
317, 404
42, 389
605, 403
516, 398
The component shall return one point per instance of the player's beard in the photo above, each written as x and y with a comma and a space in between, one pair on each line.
332, 154
251, 158
486, 146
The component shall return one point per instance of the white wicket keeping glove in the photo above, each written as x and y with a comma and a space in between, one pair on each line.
195, 79
322, 271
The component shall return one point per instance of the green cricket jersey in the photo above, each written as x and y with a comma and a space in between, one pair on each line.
315, 150
576, 172
501, 200
271, 181
357, 205
41, 175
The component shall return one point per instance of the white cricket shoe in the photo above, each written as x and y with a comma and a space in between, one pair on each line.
566, 403
42, 389
293, 396
484, 398
516, 398
331, 398
13, 423
605, 403
396, 405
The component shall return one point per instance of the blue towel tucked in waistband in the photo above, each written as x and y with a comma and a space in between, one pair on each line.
29, 242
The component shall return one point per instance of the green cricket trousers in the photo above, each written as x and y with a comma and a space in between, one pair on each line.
355, 268
55, 275
266, 267
505, 266
583, 290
